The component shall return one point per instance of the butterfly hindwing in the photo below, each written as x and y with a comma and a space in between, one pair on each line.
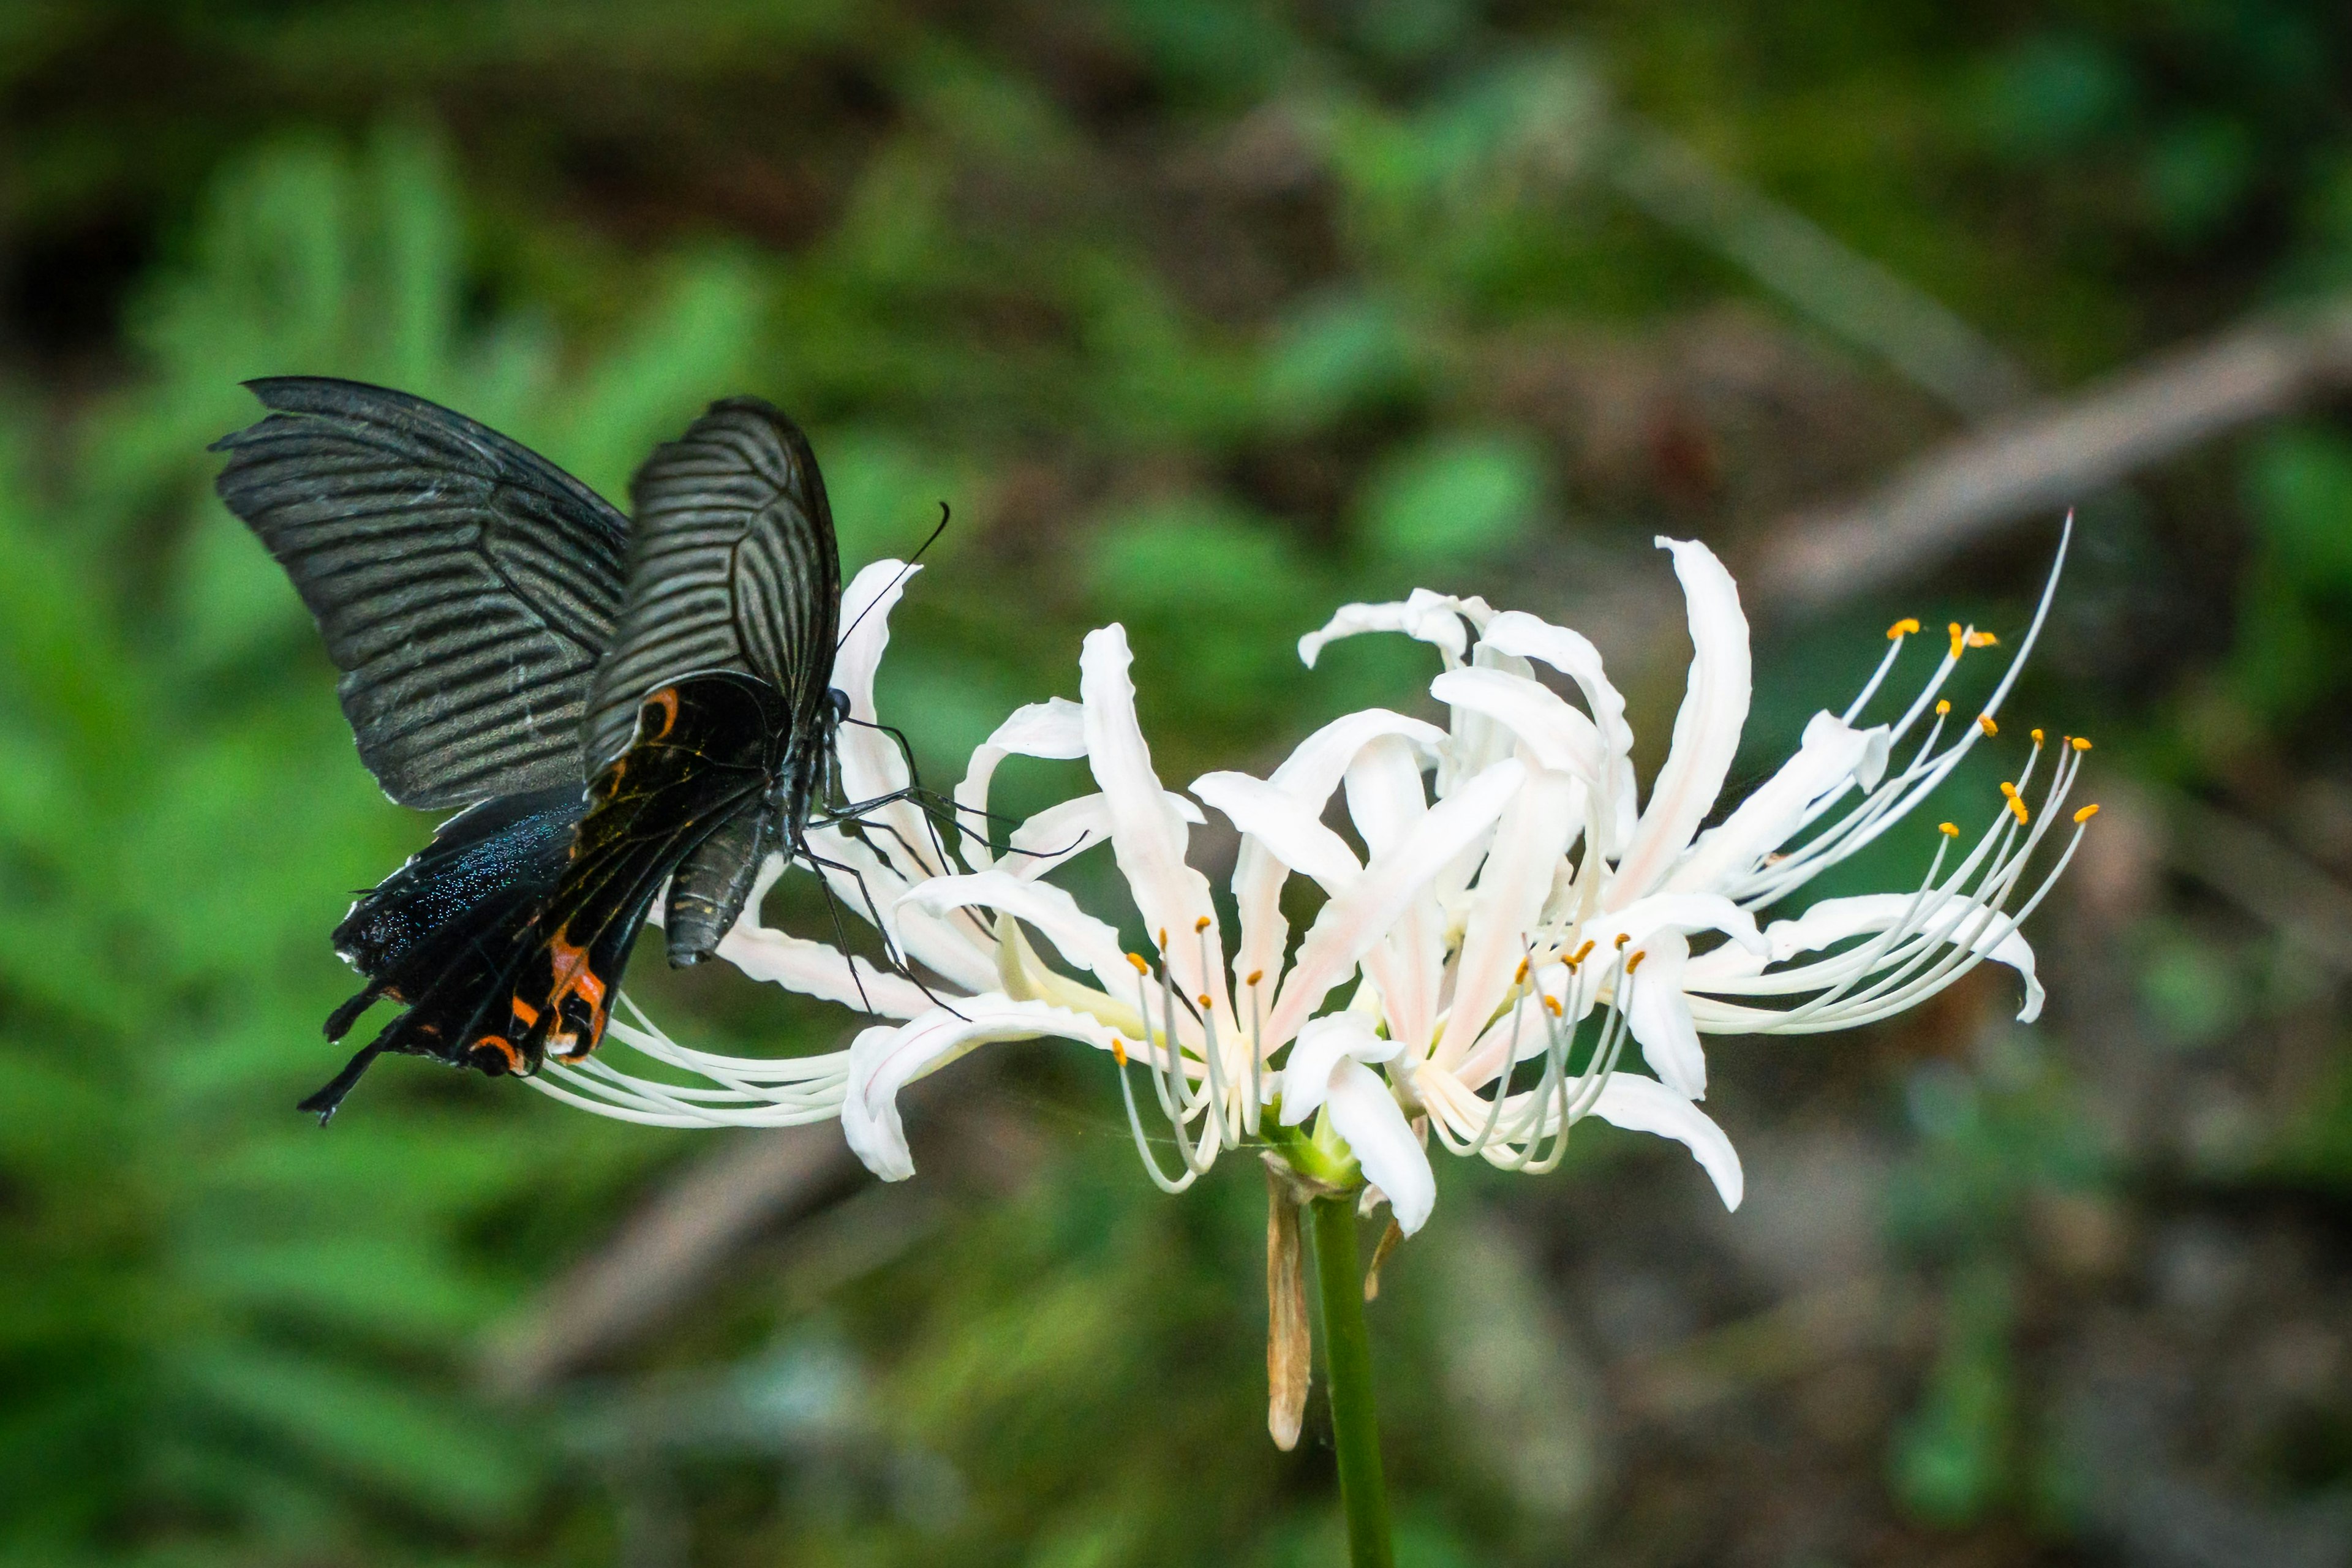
732, 566
466, 587
704, 756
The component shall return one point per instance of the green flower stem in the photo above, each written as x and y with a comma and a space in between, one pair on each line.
1348, 1354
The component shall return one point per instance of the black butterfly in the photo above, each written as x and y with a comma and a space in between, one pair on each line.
505, 637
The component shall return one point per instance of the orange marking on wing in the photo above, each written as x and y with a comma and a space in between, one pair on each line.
666, 700
525, 1014
573, 977
505, 1047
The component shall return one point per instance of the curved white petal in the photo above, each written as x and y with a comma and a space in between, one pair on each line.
1683, 912
1572, 654
1529, 839
1069, 828
1309, 774
1054, 728
1660, 1015
1351, 923
1561, 738
1707, 727
1386, 801
1147, 834
1639, 1104
1088, 943
871, 764
1434, 618
1385, 798
1945, 915
1366, 1115
1285, 827
1832, 757
883, 1060
1320, 1048
820, 970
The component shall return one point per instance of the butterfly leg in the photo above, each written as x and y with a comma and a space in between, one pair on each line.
896, 960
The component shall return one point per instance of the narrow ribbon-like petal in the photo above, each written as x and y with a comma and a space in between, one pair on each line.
1350, 924
1321, 1046
1573, 655
1948, 915
1309, 774
1054, 728
1147, 837
1660, 1015
1561, 739
872, 766
1366, 1115
1434, 618
1707, 729
820, 970
883, 1060
1832, 757
1285, 827
1530, 840
1639, 1104
1683, 912
1083, 940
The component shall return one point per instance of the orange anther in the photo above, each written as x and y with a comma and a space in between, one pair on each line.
1903, 627
1984, 722
2088, 813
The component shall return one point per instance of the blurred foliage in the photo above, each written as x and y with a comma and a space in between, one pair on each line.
1203, 315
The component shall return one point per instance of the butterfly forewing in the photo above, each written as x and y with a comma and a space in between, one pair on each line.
732, 567
464, 586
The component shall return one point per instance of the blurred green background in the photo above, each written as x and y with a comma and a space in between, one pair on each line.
1205, 315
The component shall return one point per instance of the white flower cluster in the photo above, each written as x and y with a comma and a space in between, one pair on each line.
1516, 914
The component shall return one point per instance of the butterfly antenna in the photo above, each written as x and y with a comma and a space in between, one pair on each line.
904, 572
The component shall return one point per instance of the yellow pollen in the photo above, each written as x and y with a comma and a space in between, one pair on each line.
1982, 639
1984, 722
1553, 1003
1137, 960
2088, 813
1163, 938
2079, 743
1635, 962
1582, 952
1958, 641
2009, 789
1254, 976
2037, 737
2017, 808
1119, 1050
1521, 977
1903, 628
1623, 938
1204, 999
1943, 707
1948, 830
1201, 924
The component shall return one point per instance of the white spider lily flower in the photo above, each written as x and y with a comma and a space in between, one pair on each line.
1583, 904
870, 873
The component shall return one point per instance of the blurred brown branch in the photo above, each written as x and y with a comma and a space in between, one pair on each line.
2264, 876
2051, 457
